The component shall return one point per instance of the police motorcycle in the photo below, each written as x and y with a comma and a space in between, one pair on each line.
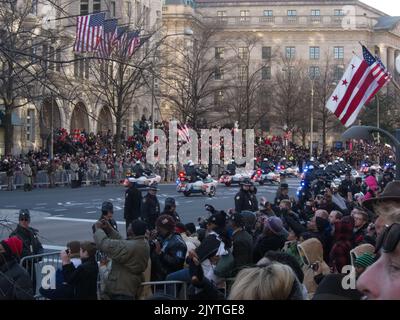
266, 173
195, 181
146, 179
232, 175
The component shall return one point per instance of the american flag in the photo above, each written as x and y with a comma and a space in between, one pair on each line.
183, 132
120, 38
88, 32
132, 43
107, 39
359, 84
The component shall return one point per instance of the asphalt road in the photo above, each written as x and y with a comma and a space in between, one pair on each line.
64, 214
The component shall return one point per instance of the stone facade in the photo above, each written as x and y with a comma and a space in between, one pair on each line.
333, 27
33, 122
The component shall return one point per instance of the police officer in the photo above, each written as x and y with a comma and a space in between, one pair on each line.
133, 202
150, 209
319, 186
190, 171
282, 194
387, 177
244, 198
346, 187
253, 197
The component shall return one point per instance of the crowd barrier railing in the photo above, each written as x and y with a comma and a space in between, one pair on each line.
40, 266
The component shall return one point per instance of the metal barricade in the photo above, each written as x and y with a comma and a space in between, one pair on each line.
35, 264
164, 287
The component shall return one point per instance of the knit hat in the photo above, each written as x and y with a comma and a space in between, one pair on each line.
166, 221
274, 224
13, 245
365, 260
24, 214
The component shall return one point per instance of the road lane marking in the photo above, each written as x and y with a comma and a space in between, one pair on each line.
78, 220
58, 210
41, 204
91, 211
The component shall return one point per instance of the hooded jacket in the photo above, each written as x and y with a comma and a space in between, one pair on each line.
340, 252
15, 283
129, 261
311, 251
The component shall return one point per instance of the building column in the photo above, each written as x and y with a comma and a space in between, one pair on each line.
390, 60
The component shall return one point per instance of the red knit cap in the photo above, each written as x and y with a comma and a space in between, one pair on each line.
15, 245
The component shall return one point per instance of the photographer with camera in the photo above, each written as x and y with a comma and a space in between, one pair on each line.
82, 279
129, 259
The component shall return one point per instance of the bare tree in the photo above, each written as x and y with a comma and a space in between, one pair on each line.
248, 83
187, 71
122, 79
290, 98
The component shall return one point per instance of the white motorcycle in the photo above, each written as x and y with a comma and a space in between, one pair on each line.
207, 186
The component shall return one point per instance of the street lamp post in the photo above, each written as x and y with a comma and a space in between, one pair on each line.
364, 133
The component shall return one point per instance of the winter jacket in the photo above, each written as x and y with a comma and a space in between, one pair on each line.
311, 251
129, 261
133, 202
15, 283
171, 259
83, 278
359, 235
150, 210
267, 243
340, 252
30, 239
242, 243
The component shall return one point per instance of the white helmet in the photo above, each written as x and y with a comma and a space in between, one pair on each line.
138, 162
312, 159
190, 162
265, 159
390, 157
232, 161
341, 160
321, 166
336, 161
366, 157
311, 167
283, 158
329, 163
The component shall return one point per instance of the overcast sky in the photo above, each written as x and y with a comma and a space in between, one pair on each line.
391, 7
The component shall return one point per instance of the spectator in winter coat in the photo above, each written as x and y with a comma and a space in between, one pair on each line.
15, 283
242, 242
191, 241
169, 251
273, 238
360, 226
129, 258
339, 255
28, 235
83, 278
312, 254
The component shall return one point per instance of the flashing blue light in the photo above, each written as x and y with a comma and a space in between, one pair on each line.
305, 170
303, 184
177, 181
